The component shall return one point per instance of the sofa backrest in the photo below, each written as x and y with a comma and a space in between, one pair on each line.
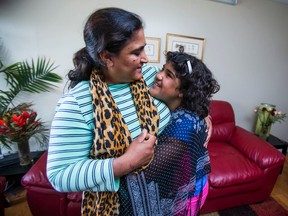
223, 120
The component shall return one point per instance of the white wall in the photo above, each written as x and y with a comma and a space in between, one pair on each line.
246, 45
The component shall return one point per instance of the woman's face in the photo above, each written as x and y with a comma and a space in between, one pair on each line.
127, 66
166, 87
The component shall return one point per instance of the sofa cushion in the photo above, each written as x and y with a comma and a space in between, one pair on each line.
222, 132
230, 167
222, 119
232, 190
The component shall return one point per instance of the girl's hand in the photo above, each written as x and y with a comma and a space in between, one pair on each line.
208, 130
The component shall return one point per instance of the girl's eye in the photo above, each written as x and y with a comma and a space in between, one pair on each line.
169, 75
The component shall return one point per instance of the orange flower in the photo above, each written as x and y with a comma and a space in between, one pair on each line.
16, 119
2, 123
3, 127
17, 125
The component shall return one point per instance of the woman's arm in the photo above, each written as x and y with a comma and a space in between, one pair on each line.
68, 165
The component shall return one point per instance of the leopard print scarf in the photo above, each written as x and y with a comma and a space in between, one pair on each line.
112, 136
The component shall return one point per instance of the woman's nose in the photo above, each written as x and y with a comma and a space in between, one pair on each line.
144, 58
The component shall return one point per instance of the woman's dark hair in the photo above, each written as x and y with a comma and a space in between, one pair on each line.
197, 82
107, 29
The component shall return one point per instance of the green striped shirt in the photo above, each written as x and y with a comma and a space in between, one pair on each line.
72, 133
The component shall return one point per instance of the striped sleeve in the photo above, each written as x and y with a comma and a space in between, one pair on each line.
71, 137
149, 73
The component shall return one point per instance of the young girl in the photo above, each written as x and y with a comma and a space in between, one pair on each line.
176, 181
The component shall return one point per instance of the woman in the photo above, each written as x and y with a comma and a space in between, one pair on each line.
176, 181
94, 135
105, 71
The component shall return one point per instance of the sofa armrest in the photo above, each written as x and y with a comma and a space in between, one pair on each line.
256, 149
36, 176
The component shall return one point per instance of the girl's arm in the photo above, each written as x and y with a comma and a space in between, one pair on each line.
208, 130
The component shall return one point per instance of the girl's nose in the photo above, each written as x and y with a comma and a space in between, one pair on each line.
159, 75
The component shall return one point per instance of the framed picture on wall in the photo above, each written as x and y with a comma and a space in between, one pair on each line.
152, 49
192, 45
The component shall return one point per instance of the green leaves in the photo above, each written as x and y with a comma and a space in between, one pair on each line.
34, 77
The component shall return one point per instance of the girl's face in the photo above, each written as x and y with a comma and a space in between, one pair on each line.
127, 66
166, 87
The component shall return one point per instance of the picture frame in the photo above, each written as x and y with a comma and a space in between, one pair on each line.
192, 45
152, 49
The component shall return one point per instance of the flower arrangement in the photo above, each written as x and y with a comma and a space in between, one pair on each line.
266, 116
19, 124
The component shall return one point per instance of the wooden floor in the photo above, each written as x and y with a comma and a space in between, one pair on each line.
19, 206
280, 190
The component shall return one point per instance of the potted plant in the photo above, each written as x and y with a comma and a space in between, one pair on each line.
266, 116
18, 123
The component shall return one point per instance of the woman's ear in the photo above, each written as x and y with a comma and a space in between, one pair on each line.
180, 95
106, 57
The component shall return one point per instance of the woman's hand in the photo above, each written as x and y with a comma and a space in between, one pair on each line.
208, 130
138, 154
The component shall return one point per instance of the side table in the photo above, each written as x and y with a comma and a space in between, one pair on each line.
278, 143
10, 164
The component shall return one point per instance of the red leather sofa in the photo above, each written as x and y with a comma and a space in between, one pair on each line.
42, 199
244, 167
2, 197
244, 171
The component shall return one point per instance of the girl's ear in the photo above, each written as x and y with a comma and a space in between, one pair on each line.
106, 58
180, 95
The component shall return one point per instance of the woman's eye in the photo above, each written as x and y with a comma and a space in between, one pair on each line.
137, 53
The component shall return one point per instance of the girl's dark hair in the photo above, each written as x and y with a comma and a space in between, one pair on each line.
198, 86
107, 29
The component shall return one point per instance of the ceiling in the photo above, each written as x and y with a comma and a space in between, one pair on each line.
282, 1
234, 2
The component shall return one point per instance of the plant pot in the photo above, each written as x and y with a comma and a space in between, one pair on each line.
24, 152
264, 131
263, 124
